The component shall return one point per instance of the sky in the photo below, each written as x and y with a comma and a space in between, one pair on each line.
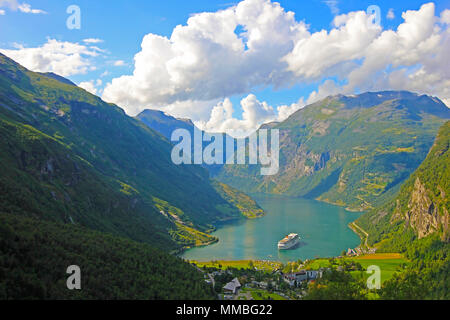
232, 65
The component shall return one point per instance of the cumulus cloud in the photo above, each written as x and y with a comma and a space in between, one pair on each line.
324, 52
88, 86
2, 12
254, 114
413, 57
64, 58
215, 55
91, 86
257, 44
445, 16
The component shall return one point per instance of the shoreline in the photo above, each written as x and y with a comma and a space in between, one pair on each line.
222, 223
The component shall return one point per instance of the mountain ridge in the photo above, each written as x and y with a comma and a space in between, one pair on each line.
54, 133
348, 150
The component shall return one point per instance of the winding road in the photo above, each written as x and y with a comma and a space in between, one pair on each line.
364, 232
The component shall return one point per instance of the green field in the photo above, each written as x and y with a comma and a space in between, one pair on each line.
239, 264
388, 263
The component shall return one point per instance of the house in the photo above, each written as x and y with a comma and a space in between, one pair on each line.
232, 287
303, 275
313, 274
295, 278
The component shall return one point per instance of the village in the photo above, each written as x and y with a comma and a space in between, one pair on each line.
253, 283
272, 280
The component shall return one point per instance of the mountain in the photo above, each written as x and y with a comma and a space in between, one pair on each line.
71, 157
415, 222
353, 151
421, 207
164, 123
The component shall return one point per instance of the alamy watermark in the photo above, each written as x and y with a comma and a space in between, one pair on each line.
374, 281
213, 148
374, 12
74, 20
74, 280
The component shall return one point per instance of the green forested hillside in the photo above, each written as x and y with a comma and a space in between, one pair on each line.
35, 254
352, 151
422, 205
246, 205
416, 223
84, 184
71, 157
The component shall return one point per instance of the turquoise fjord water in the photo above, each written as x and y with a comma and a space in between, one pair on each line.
323, 229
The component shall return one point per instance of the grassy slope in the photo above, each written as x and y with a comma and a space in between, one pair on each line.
389, 264
245, 204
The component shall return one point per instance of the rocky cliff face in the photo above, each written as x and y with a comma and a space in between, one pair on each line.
423, 214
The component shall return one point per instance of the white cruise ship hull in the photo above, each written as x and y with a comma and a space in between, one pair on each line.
288, 245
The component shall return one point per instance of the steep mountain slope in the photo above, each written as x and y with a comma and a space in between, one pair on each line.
421, 207
164, 123
35, 254
416, 223
353, 151
71, 157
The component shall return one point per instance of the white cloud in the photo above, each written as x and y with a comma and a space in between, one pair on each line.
2, 12
26, 8
412, 58
88, 86
390, 15
207, 60
91, 86
119, 63
445, 16
254, 114
63, 58
257, 44
323, 52
92, 40
14, 5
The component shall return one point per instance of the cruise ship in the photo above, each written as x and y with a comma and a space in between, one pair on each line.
288, 242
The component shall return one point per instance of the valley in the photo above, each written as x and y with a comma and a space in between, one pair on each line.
80, 168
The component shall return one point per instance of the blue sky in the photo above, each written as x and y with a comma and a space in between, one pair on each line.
122, 25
